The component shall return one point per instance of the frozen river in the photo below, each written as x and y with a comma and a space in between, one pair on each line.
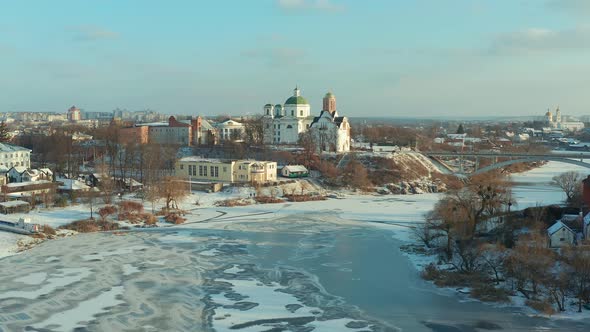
315, 266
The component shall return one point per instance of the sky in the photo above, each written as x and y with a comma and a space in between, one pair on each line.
398, 58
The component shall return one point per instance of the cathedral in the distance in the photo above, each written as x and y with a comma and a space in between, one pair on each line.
283, 124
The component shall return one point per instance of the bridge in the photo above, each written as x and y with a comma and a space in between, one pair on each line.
513, 158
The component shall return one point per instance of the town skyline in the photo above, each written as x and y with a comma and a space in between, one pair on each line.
471, 58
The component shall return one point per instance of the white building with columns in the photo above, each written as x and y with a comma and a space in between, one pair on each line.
282, 124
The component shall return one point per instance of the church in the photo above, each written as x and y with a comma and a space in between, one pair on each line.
330, 132
282, 124
556, 122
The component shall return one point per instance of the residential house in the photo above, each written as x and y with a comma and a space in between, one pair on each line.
560, 235
566, 231
294, 171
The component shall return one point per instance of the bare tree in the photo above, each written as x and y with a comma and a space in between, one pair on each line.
569, 182
172, 190
578, 258
426, 233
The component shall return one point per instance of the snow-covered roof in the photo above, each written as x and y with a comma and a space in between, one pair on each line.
152, 124
13, 203
198, 158
71, 184
295, 168
557, 226
20, 169
7, 147
46, 171
27, 183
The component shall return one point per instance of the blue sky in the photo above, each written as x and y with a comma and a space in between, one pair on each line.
380, 57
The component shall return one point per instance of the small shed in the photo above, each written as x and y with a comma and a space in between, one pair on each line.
294, 171
15, 206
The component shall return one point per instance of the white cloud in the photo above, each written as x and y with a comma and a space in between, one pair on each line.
321, 5
542, 40
576, 7
84, 33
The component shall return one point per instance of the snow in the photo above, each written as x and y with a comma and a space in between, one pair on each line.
271, 304
118, 251
8, 243
210, 252
534, 187
129, 269
33, 279
83, 312
233, 270
65, 277
14, 203
54, 217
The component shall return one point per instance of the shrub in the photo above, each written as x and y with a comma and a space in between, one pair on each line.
107, 211
131, 207
430, 272
174, 218
90, 225
48, 230
232, 202
543, 306
489, 293
268, 199
149, 219
61, 201
305, 198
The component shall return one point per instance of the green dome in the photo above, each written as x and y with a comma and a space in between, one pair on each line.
296, 101
330, 95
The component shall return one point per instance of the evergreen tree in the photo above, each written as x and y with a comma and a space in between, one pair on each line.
4, 133
460, 130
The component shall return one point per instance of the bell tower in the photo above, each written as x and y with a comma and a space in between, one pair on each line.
329, 104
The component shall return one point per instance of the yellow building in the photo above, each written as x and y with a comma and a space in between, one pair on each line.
231, 171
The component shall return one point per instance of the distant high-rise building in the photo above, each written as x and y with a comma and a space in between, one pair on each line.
74, 114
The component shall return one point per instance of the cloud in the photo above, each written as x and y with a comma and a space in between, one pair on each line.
89, 33
576, 7
308, 5
278, 56
542, 40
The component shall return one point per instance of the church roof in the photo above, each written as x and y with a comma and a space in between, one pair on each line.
296, 101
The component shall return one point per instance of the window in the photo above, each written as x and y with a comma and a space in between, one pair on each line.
200, 170
204, 170
561, 239
301, 113
216, 169
181, 166
224, 169
211, 171
279, 126
292, 113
